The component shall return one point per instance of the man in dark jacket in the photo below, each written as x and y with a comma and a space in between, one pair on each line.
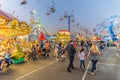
71, 52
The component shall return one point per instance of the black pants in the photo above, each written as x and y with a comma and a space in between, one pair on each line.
34, 56
82, 62
94, 62
71, 59
47, 53
8, 61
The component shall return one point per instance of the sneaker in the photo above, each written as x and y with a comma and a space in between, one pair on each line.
57, 59
8, 68
84, 69
81, 69
69, 70
95, 70
92, 73
73, 68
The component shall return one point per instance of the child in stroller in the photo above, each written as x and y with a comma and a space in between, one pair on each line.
62, 55
1, 62
8, 58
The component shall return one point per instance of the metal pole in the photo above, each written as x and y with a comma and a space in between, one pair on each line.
0, 6
86, 35
69, 23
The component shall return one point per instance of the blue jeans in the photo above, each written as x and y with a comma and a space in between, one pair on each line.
94, 62
8, 61
82, 62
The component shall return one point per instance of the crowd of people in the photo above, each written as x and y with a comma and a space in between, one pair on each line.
93, 53
87, 50
39, 50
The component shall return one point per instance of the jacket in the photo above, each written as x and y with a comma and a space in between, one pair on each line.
71, 50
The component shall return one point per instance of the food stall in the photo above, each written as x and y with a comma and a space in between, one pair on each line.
63, 35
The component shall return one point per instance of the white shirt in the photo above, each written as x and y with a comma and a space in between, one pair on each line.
56, 47
82, 56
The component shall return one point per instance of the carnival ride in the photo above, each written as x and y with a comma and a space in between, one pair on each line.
10, 29
10, 26
23, 2
105, 27
39, 32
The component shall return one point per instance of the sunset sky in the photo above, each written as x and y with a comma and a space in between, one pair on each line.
88, 13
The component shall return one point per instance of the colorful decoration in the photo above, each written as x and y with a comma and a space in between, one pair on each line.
3, 21
16, 28
63, 35
18, 55
10, 29
38, 25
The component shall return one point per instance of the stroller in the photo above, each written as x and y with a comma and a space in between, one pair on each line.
9, 62
62, 55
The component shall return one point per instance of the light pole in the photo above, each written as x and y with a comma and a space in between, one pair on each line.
66, 16
69, 23
86, 30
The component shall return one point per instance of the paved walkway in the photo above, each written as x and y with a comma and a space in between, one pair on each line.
108, 69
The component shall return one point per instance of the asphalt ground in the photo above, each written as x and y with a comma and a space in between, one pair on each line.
49, 69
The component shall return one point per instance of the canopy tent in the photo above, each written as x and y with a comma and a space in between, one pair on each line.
42, 37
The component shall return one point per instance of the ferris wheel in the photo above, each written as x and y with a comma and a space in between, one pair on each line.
107, 25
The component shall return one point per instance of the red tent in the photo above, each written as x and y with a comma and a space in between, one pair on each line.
42, 37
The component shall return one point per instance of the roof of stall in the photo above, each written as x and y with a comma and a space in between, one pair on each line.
6, 15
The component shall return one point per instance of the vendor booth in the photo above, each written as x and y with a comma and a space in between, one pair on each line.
63, 35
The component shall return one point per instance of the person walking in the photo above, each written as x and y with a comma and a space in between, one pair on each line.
82, 44
33, 49
87, 46
101, 46
47, 48
38, 50
94, 56
57, 50
81, 56
71, 52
